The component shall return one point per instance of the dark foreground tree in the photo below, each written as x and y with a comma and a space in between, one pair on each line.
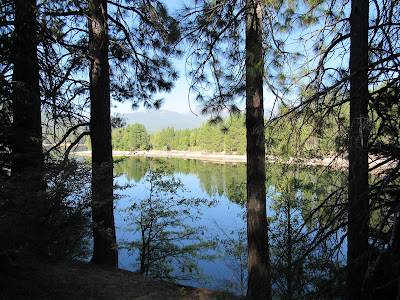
105, 251
370, 87
26, 142
219, 29
358, 213
128, 48
27, 194
257, 227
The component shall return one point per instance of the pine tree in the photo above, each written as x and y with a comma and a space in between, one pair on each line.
218, 45
358, 228
259, 281
27, 163
105, 251
26, 143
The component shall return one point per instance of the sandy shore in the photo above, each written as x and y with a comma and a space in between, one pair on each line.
179, 154
335, 162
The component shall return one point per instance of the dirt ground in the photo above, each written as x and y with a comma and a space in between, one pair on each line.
31, 279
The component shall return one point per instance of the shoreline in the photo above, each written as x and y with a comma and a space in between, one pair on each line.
336, 162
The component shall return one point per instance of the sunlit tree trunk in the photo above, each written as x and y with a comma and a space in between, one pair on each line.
258, 260
358, 214
105, 251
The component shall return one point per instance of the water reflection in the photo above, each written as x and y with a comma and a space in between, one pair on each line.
306, 213
227, 179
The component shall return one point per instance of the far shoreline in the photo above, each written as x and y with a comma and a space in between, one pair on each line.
336, 162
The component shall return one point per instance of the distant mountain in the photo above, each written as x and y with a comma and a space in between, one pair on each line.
155, 120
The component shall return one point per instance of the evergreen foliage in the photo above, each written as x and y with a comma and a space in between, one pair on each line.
133, 137
45, 89
286, 137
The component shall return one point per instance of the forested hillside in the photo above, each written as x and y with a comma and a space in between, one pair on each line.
155, 120
288, 137
332, 68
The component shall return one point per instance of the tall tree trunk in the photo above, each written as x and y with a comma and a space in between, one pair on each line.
26, 135
358, 213
259, 286
26, 141
105, 251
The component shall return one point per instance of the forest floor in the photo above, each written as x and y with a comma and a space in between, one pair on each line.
31, 279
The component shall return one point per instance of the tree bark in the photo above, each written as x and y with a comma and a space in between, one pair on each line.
358, 211
26, 140
259, 286
105, 251
26, 133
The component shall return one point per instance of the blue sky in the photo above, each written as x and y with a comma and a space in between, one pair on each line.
179, 99
176, 100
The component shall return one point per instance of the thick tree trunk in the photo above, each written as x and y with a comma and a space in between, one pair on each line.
26, 141
26, 136
358, 214
257, 227
105, 251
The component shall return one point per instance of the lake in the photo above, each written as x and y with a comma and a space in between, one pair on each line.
305, 207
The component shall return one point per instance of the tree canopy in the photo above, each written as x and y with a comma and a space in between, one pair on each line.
332, 67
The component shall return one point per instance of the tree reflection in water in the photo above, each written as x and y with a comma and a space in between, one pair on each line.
307, 222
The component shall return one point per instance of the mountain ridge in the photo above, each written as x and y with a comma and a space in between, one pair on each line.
155, 120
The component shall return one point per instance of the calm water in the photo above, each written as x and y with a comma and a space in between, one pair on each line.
294, 197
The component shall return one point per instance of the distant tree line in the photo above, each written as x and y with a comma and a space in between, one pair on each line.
324, 61
229, 136
133, 137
